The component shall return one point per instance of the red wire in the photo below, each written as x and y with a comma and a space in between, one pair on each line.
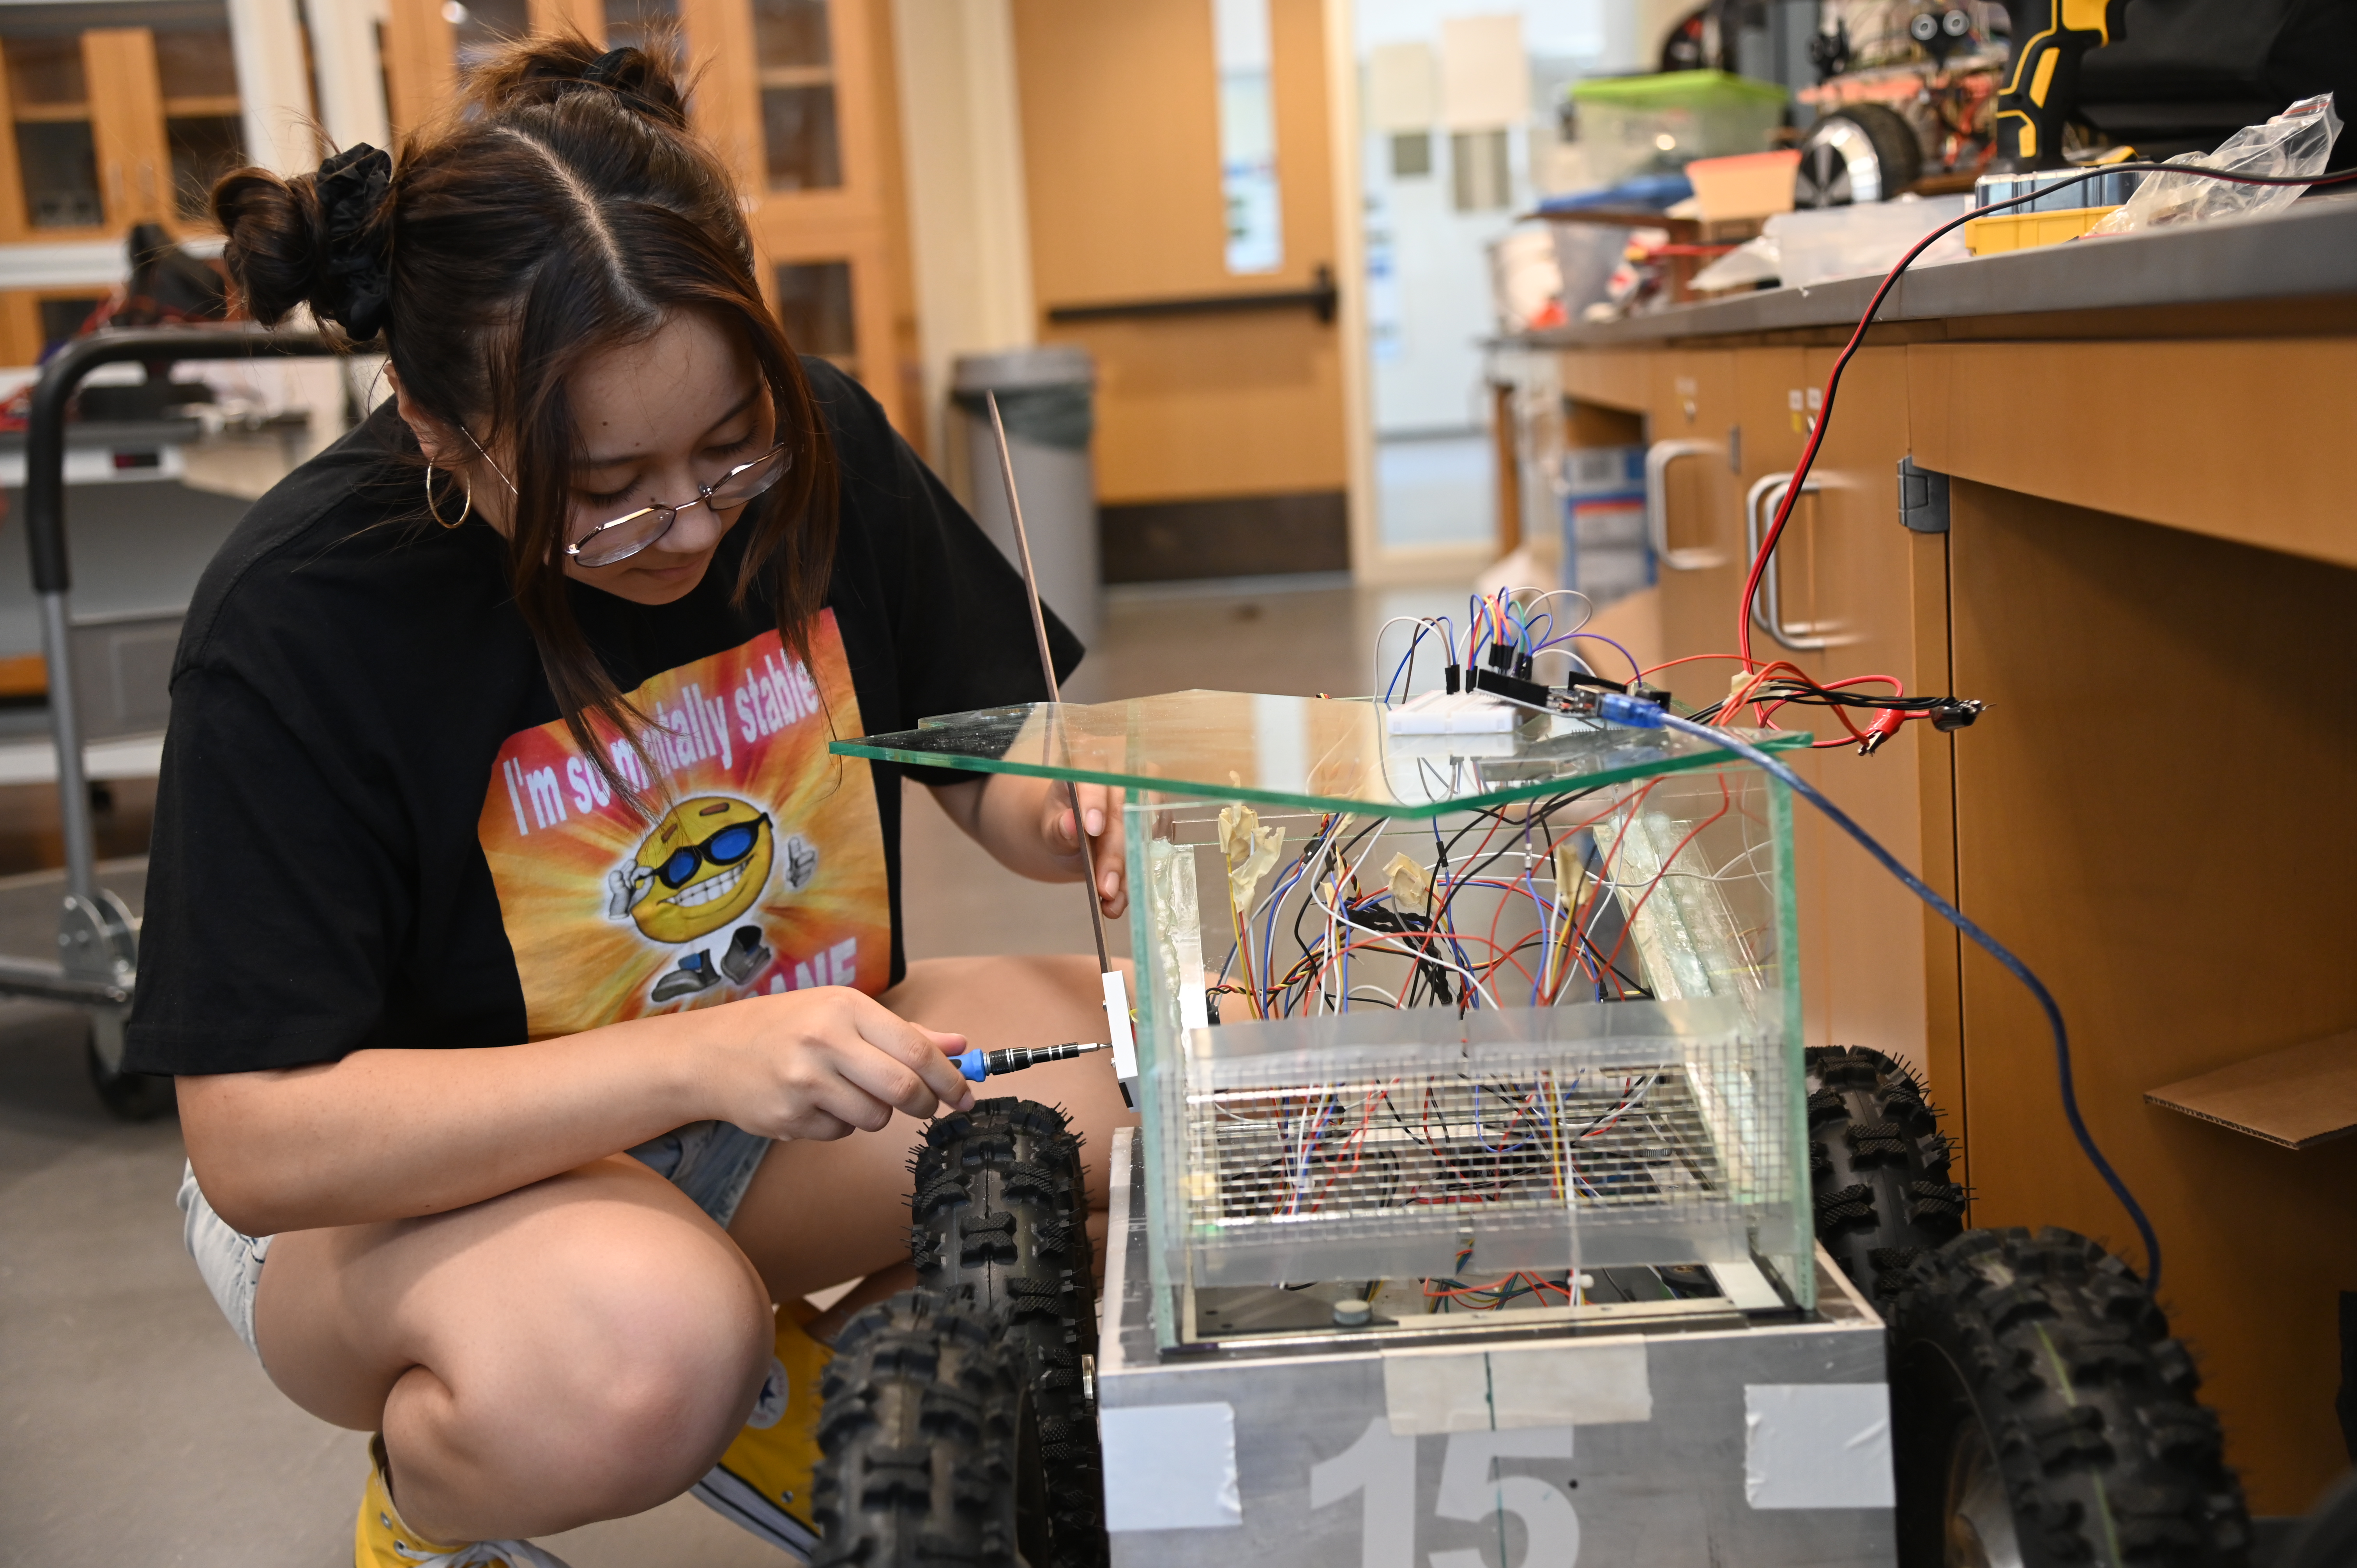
1841, 360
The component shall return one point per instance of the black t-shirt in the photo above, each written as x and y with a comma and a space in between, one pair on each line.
373, 828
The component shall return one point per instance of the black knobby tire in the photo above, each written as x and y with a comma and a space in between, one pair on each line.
2043, 1416
129, 1096
1878, 1168
1001, 1226
921, 1441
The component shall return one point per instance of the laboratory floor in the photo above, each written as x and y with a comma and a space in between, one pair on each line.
135, 1429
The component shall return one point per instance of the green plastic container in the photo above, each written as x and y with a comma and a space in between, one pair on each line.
1631, 126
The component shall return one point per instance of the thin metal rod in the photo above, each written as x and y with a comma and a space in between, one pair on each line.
65, 730
1047, 668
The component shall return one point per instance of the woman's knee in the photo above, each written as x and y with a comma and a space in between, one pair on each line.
651, 1358
593, 1357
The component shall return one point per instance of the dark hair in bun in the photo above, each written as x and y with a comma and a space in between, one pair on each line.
562, 209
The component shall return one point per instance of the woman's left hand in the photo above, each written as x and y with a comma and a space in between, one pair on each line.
1028, 826
1101, 811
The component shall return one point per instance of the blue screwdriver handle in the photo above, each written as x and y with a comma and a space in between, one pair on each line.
978, 1065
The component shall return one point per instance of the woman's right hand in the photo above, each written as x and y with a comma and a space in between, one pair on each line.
824, 1063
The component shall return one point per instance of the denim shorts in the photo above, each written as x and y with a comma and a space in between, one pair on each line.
712, 1162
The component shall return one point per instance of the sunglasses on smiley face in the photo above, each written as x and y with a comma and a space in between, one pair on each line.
724, 848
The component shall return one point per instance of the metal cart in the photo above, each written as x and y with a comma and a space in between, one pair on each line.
96, 964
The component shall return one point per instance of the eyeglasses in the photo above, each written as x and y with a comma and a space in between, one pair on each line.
627, 535
726, 847
633, 531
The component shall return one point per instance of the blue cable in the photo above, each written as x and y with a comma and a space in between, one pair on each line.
1645, 715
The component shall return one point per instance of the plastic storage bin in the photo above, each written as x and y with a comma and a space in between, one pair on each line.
2027, 230
1637, 125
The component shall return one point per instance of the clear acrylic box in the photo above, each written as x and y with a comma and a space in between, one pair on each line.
1445, 1007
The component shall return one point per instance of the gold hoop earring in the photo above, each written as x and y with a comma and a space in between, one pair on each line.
467, 506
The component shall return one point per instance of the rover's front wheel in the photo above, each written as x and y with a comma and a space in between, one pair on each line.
2043, 1417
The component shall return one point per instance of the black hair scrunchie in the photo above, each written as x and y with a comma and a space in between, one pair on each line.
352, 188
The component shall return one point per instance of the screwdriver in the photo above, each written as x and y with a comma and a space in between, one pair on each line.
979, 1064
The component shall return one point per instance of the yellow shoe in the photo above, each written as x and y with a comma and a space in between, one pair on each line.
381, 1541
763, 1482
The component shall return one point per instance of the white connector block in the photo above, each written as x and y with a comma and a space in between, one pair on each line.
1453, 713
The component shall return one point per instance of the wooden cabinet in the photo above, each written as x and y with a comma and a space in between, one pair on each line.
2153, 813
799, 95
104, 127
1691, 429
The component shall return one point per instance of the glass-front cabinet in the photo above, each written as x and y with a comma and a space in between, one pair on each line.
114, 114
798, 94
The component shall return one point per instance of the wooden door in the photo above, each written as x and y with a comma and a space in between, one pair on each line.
798, 96
1220, 434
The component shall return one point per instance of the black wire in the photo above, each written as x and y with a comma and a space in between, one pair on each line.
1858, 339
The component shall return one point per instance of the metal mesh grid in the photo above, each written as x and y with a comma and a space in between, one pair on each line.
1628, 1139
1343, 1145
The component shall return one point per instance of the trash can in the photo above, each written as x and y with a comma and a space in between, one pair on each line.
1044, 396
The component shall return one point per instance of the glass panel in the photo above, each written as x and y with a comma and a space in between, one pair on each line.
798, 135
196, 61
204, 147
787, 34
1484, 174
815, 304
479, 30
1247, 136
1411, 154
59, 164
61, 318
45, 71
1320, 754
636, 24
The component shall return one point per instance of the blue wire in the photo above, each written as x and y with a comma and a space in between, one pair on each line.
1642, 715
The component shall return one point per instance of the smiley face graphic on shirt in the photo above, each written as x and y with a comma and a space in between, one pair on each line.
760, 868
703, 864
707, 863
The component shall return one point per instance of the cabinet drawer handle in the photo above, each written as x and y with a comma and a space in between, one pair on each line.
1759, 504
1658, 459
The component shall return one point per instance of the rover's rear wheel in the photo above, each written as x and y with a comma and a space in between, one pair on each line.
1879, 1166
1001, 1228
2042, 1416
923, 1441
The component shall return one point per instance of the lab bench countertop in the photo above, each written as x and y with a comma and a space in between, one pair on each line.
2309, 250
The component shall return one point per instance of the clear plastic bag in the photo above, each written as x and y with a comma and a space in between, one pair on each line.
2296, 142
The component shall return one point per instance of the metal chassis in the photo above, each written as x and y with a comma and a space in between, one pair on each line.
1762, 1443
